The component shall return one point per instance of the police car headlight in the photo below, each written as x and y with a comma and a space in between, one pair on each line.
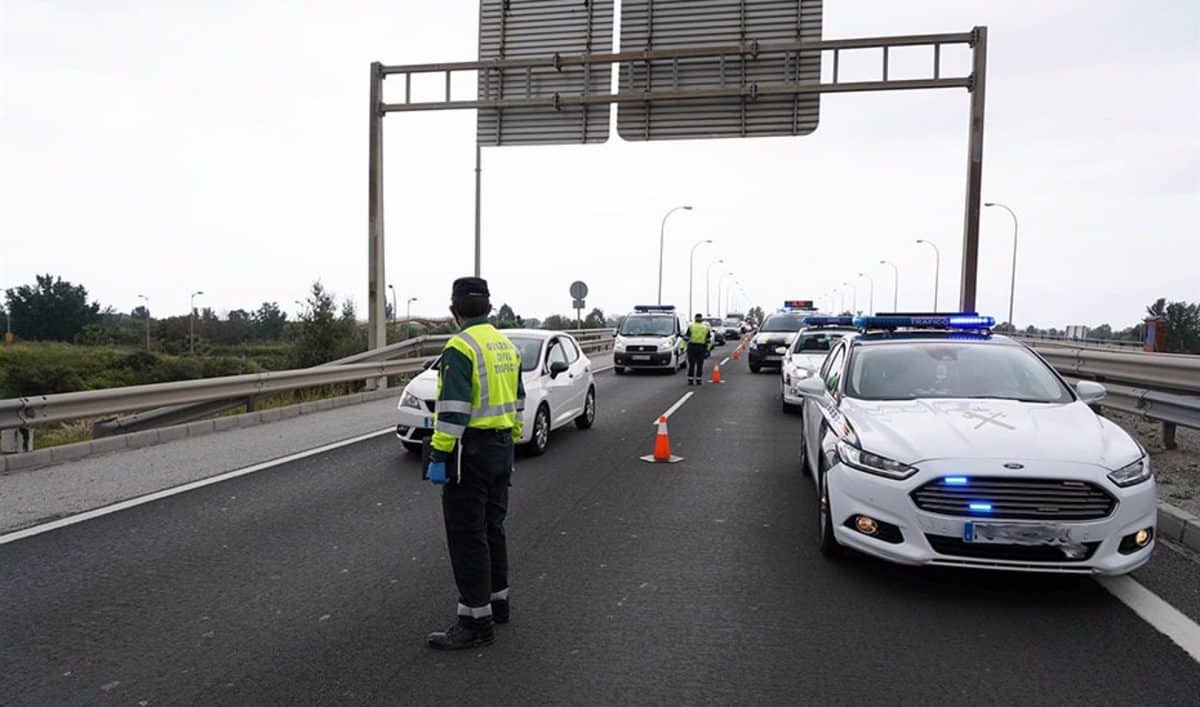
780, 349
1132, 474
872, 463
410, 401
666, 345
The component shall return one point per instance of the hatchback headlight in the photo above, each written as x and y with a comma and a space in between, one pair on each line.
410, 401
872, 463
1132, 474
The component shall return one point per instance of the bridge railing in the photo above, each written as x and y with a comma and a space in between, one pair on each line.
181, 401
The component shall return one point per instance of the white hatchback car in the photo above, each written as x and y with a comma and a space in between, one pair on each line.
559, 389
946, 445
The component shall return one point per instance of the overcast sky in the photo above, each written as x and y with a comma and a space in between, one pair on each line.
220, 145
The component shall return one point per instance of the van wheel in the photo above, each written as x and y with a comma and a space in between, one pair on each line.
413, 447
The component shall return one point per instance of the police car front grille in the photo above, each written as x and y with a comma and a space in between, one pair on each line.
1027, 499
642, 349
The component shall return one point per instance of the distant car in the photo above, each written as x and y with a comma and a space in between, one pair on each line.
650, 338
718, 331
771, 341
733, 328
806, 354
559, 389
932, 442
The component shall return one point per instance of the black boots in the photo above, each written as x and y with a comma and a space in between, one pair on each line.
500, 611
466, 633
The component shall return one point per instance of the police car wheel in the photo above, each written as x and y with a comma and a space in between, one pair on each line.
619, 370
754, 368
541, 433
414, 447
828, 544
588, 417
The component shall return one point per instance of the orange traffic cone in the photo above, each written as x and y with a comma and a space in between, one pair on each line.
662, 446
736, 353
716, 377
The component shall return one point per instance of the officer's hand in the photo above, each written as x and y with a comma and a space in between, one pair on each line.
436, 472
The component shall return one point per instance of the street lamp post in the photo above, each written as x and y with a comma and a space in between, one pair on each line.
147, 305
720, 284
729, 299
854, 299
708, 287
1012, 287
408, 317
691, 277
662, 230
895, 284
870, 293
192, 322
393, 291
937, 269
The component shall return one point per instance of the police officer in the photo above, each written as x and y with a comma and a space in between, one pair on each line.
478, 413
698, 334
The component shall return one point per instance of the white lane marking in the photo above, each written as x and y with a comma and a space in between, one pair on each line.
150, 497
1168, 620
724, 361
671, 410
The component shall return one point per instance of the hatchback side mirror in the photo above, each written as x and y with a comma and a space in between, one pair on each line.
558, 367
1090, 392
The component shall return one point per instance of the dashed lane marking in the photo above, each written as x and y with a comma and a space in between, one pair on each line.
151, 497
1165, 618
671, 410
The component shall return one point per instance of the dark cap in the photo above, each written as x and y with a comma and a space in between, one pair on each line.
470, 287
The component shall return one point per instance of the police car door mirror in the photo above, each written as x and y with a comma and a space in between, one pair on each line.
558, 367
811, 387
1090, 392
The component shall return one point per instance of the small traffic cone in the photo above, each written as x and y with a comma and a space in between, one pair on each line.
662, 446
736, 353
716, 377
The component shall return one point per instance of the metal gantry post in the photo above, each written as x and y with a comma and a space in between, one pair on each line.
376, 311
970, 255
478, 207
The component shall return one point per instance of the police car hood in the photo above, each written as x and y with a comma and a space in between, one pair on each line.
913, 431
810, 360
644, 340
775, 337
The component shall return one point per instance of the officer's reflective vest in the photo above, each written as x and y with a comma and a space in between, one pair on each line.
698, 333
494, 403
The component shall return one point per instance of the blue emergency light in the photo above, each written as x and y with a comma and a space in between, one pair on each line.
828, 321
955, 320
650, 308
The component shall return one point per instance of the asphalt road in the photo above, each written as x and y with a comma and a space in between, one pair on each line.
315, 582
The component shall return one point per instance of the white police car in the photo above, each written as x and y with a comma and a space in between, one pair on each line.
559, 389
807, 352
770, 344
650, 338
930, 441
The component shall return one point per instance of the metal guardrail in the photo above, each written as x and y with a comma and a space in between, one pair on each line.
1172, 373
1114, 344
211, 393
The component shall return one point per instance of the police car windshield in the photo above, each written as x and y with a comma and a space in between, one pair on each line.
950, 369
647, 325
783, 322
816, 341
530, 350
732, 321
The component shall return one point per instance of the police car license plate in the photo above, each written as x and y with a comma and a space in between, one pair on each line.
1017, 533
641, 358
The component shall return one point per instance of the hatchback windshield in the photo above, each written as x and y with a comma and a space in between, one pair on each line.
530, 350
946, 369
817, 341
636, 325
783, 322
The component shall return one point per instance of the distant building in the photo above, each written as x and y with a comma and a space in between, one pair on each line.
1076, 331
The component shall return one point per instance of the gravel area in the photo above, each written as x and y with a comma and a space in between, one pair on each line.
1176, 470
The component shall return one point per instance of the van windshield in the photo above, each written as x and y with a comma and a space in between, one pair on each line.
647, 325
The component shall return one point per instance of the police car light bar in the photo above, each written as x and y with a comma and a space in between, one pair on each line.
921, 320
654, 308
828, 321
798, 304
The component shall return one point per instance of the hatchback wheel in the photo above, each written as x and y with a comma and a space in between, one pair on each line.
541, 432
588, 417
